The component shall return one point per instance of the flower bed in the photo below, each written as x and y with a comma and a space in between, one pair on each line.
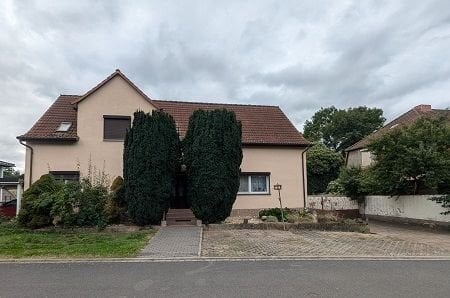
339, 226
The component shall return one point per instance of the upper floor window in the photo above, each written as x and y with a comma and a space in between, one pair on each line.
115, 127
254, 183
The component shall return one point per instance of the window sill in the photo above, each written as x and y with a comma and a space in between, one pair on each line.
113, 140
253, 193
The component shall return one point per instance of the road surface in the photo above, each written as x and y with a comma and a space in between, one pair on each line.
316, 278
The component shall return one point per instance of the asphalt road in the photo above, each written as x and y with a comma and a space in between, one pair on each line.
318, 278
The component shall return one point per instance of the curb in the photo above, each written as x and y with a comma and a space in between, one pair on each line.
227, 259
199, 254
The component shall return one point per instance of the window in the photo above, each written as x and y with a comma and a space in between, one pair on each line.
254, 183
115, 127
64, 126
66, 175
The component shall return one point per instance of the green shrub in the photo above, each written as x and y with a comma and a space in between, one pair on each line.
49, 202
213, 155
4, 218
354, 182
115, 204
444, 200
80, 204
335, 188
275, 212
38, 202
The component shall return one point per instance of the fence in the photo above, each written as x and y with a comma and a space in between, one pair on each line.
329, 202
404, 207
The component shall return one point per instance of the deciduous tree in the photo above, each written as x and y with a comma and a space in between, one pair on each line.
414, 159
323, 166
339, 129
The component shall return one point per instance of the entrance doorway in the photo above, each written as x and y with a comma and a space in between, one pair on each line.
180, 202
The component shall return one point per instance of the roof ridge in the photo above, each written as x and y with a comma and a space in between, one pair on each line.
74, 95
117, 72
214, 103
414, 111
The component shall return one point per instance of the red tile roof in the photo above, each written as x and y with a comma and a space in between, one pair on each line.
404, 119
261, 125
266, 125
62, 110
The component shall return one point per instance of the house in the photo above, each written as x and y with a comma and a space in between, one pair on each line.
5, 165
79, 132
6, 194
357, 155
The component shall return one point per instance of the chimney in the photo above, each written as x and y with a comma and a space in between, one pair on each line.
423, 108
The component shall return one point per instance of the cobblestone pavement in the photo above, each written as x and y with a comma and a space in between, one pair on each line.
253, 243
174, 242
438, 238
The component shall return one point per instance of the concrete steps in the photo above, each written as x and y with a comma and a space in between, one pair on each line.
181, 217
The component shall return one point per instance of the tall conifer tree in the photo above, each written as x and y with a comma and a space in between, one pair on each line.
151, 160
213, 155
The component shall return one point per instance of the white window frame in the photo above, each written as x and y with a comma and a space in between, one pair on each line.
249, 181
64, 126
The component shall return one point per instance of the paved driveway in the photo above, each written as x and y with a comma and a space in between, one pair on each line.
254, 243
437, 238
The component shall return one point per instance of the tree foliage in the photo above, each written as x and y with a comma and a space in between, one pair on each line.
444, 200
353, 182
212, 153
413, 159
323, 166
339, 129
11, 173
151, 160
37, 202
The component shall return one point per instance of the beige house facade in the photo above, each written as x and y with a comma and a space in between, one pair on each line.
84, 134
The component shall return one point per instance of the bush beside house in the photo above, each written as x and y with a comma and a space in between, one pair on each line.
50, 202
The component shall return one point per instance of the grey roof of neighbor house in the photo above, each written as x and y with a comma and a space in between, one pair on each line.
6, 164
261, 125
405, 119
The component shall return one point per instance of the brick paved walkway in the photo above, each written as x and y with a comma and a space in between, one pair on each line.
253, 243
174, 242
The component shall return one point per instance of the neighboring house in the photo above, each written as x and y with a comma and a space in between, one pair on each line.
5, 193
89, 129
5, 165
357, 155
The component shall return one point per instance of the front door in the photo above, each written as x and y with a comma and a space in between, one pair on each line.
180, 201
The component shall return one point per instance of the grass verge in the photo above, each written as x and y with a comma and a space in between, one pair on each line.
70, 243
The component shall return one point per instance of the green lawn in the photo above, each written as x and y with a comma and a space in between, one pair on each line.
77, 243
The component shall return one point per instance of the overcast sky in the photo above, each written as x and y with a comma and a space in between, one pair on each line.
300, 55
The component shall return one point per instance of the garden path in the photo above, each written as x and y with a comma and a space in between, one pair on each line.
174, 241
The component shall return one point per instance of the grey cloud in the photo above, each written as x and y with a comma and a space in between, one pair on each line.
298, 55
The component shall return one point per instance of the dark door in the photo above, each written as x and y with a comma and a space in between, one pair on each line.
180, 201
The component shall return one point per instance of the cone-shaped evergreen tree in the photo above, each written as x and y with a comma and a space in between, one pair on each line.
150, 162
213, 154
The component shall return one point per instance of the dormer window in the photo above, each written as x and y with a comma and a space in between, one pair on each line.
64, 126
